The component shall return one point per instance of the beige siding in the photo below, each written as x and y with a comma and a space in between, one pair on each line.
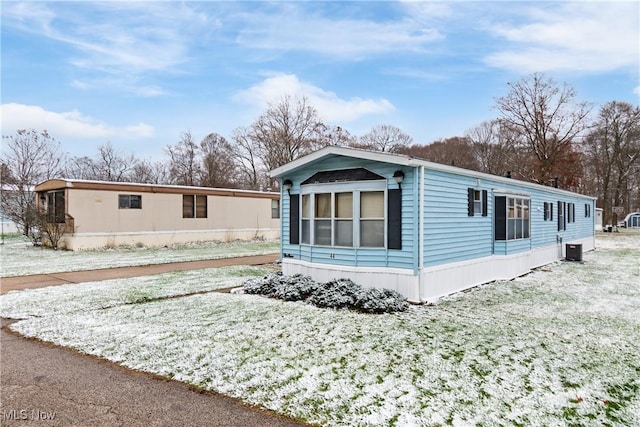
98, 221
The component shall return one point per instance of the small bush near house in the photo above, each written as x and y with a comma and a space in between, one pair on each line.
340, 293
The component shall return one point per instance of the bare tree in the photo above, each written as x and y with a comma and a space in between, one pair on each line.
386, 138
493, 147
250, 166
337, 136
150, 173
112, 165
286, 131
184, 166
30, 158
218, 163
81, 168
109, 165
546, 118
613, 151
455, 151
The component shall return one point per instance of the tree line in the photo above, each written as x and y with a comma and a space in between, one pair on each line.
542, 133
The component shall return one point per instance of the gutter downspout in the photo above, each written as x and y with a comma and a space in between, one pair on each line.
421, 284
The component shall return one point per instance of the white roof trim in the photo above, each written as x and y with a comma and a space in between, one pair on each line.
403, 160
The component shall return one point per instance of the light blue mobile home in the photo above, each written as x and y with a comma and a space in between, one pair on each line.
423, 229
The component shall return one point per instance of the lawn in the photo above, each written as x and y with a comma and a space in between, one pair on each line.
559, 346
18, 257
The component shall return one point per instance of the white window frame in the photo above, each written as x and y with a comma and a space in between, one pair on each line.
334, 188
477, 202
520, 216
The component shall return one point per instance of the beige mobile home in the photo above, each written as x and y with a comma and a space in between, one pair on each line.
98, 214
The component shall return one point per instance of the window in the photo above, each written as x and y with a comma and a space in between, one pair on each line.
322, 220
344, 219
587, 210
571, 212
275, 209
372, 219
548, 211
562, 222
194, 206
55, 207
306, 219
129, 201
512, 218
477, 202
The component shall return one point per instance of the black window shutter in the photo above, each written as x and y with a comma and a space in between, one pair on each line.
294, 219
550, 211
500, 214
546, 211
394, 219
470, 201
485, 203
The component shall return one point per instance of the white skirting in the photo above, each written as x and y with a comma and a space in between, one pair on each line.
397, 279
433, 283
80, 241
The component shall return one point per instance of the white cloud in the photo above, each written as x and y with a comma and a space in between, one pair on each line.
71, 124
636, 90
582, 36
329, 105
122, 39
293, 28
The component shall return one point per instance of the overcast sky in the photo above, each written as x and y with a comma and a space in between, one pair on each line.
138, 74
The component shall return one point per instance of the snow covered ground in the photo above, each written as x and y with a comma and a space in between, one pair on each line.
18, 257
560, 346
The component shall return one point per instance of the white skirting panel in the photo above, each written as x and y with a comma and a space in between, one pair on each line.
437, 282
397, 279
434, 283
79, 241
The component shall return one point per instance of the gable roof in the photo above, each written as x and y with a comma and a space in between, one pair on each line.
404, 160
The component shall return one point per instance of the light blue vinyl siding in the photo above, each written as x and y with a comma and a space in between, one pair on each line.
450, 235
406, 258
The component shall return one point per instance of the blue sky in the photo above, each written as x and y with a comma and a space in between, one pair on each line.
138, 74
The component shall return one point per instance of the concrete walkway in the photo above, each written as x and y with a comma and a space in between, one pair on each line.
41, 280
45, 385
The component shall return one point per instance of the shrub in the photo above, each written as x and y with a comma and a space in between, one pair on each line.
340, 293
374, 300
262, 286
295, 288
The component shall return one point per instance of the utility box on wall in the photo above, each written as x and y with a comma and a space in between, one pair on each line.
573, 252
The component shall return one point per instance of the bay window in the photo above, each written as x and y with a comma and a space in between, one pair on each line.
343, 218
